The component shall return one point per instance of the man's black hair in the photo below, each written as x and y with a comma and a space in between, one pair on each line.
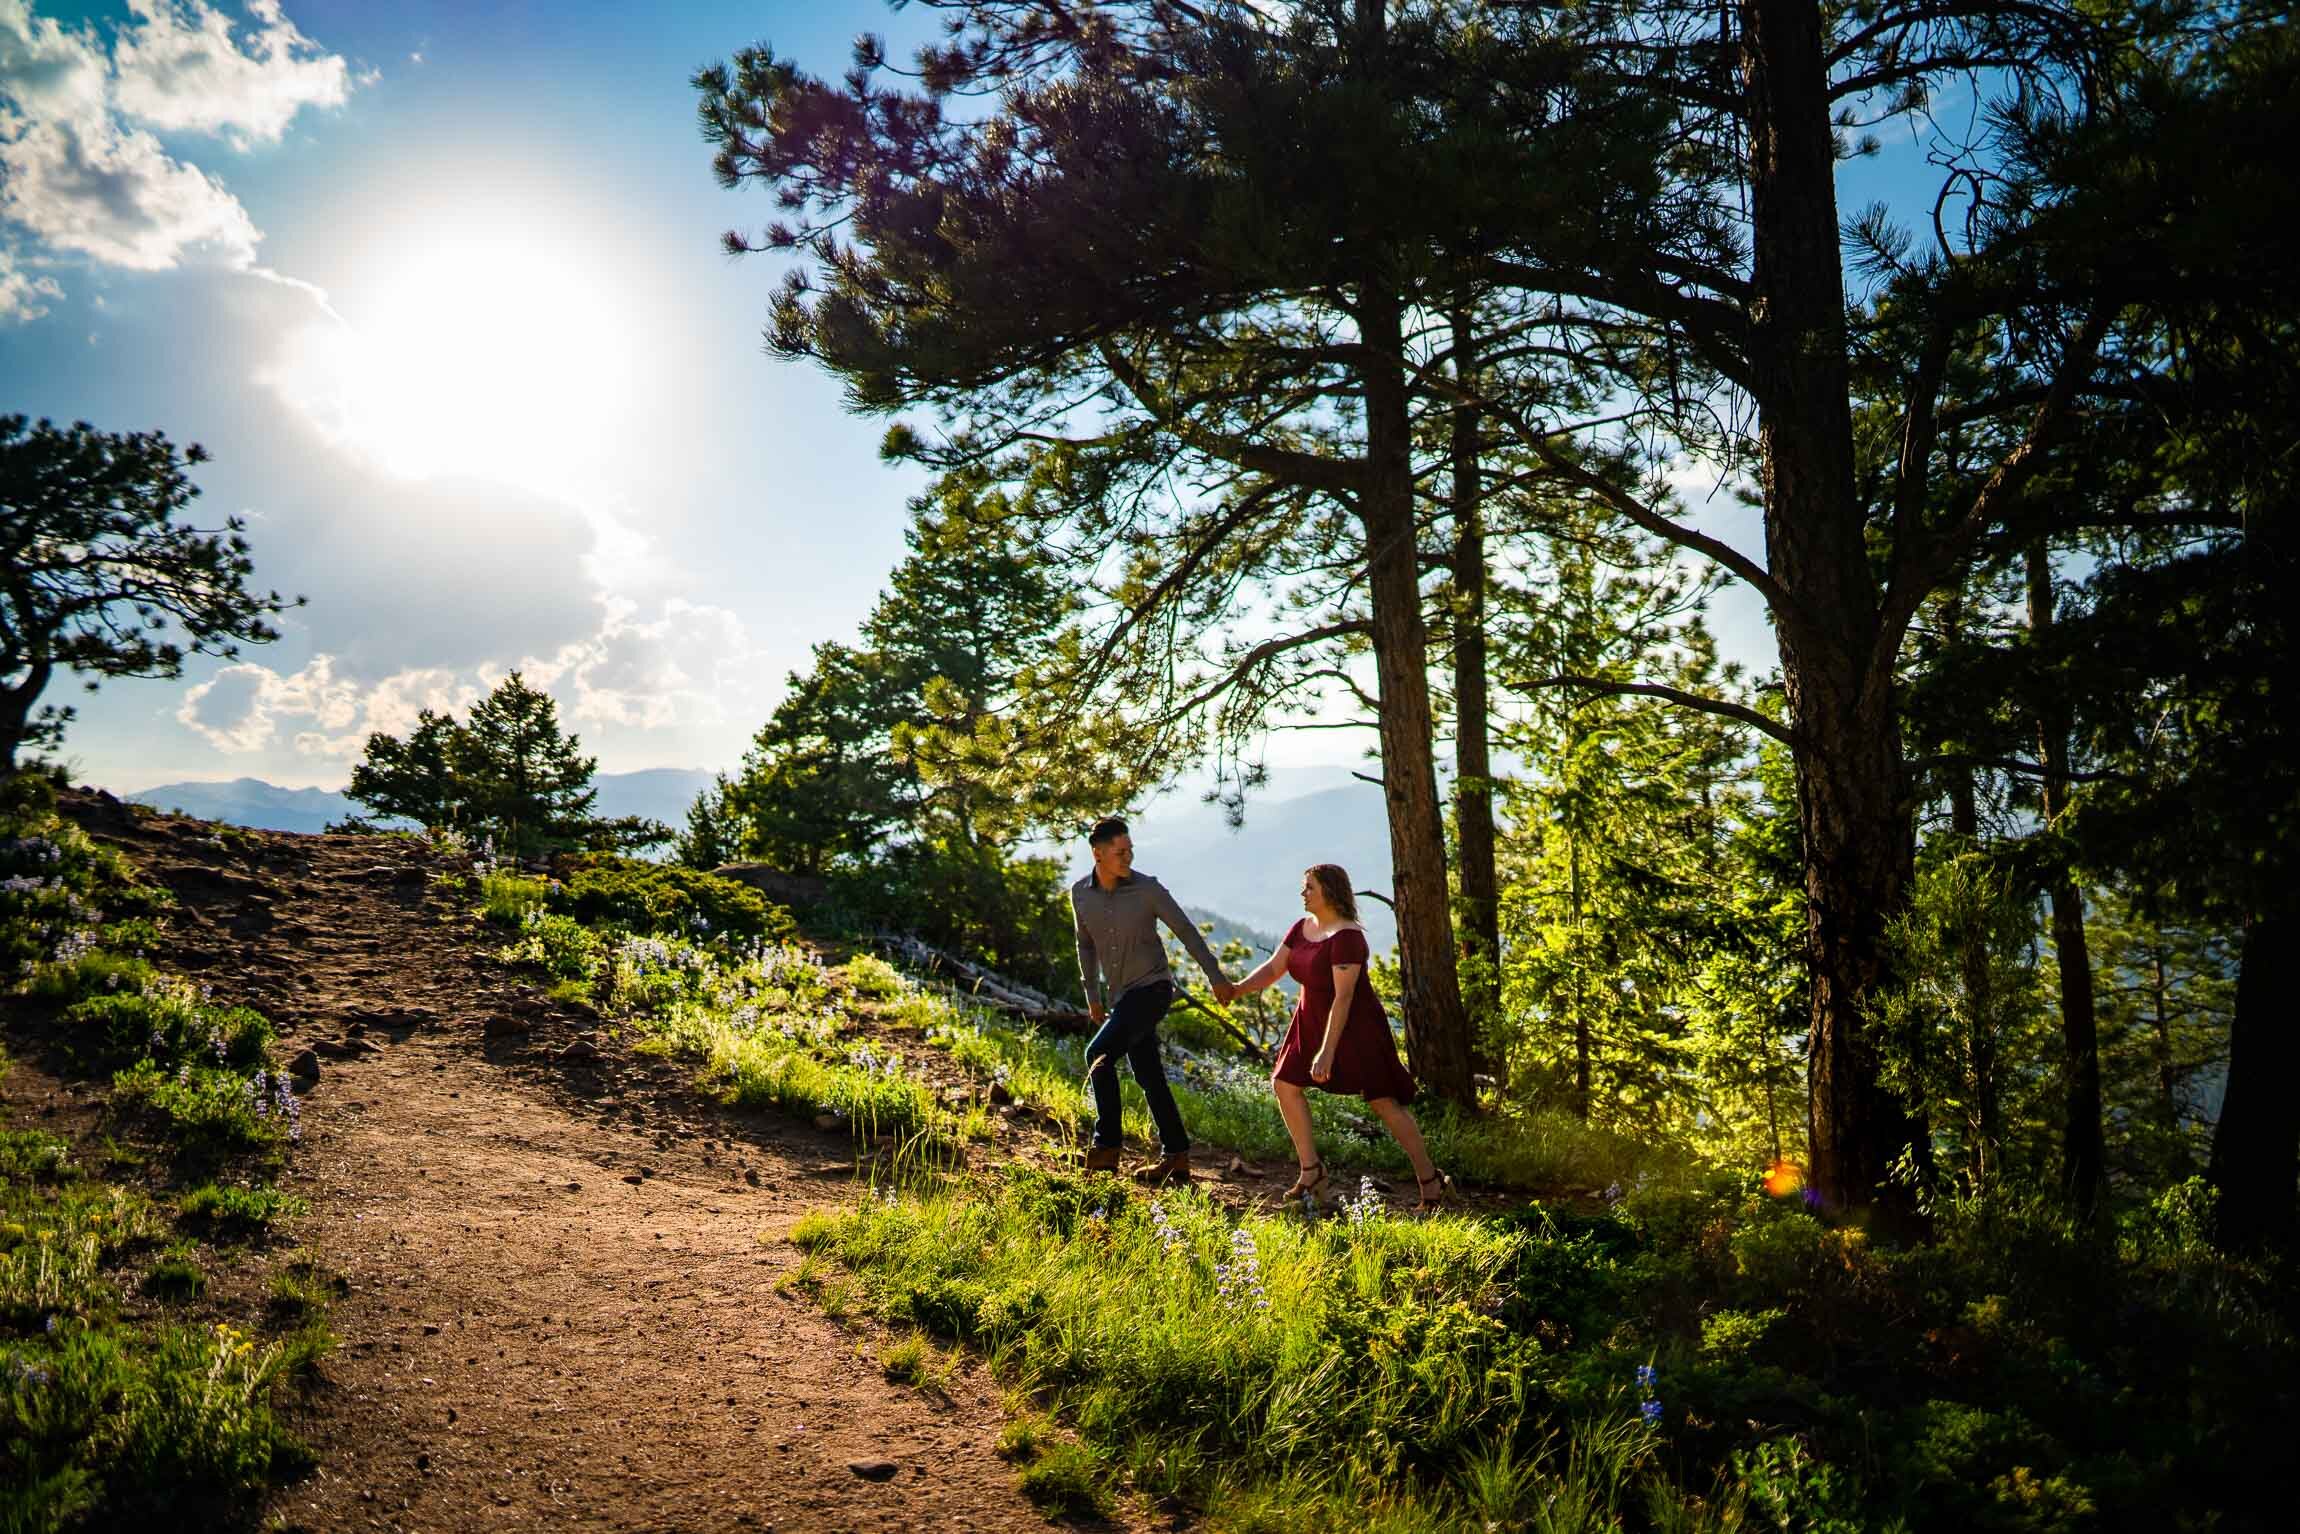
1108, 829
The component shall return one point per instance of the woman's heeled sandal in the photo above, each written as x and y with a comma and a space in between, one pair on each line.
1433, 1201
1309, 1183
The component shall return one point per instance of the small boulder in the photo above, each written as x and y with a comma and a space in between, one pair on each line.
500, 1027
874, 1469
830, 1122
1001, 1094
305, 1065
580, 1052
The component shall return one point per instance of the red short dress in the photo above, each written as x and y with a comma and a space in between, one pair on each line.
1366, 1061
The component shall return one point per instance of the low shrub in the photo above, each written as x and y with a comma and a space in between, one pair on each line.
560, 946
665, 898
167, 1021
210, 1108
871, 976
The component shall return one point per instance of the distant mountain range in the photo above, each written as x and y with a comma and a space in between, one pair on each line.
1251, 876
658, 793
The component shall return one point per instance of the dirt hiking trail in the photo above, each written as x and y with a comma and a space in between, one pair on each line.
562, 1309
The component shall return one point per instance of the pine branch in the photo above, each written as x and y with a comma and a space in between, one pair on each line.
1721, 707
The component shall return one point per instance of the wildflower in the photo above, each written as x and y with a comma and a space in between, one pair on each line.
1366, 1207
1238, 1282
1651, 1412
216, 1042
1613, 1192
51, 1328
1169, 1239
1645, 1377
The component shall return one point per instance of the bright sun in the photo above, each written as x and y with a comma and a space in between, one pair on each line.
493, 358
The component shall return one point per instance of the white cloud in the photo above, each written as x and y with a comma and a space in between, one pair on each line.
79, 169
691, 666
23, 297
182, 68
113, 194
237, 709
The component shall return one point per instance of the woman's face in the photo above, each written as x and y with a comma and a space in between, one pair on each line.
1313, 898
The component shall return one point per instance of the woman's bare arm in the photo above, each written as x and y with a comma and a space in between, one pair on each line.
1267, 975
1345, 986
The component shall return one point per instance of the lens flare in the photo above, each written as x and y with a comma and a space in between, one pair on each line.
1783, 1178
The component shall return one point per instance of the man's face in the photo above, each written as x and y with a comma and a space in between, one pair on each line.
1114, 857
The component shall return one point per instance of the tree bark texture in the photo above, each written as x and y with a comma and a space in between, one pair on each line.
1852, 803
1480, 920
2084, 1152
1983, 1134
1437, 1026
16, 704
2256, 1148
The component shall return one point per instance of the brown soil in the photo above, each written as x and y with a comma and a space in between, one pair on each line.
562, 1307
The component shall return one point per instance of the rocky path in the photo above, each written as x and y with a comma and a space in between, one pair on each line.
562, 1309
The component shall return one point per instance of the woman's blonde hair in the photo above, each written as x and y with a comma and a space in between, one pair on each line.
1334, 884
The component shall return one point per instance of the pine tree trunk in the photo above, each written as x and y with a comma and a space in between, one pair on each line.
16, 705
1437, 1027
2168, 1103
1982, 1132
2256, 1149
1852, 803
1480, 922
2084, 1153
1583, 1083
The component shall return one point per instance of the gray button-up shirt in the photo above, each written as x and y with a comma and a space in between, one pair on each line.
1118, 946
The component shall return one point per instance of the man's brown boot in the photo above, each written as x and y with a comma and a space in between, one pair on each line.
1164, 1171
1102, 1158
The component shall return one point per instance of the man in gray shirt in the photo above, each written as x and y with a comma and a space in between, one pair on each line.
1122, 966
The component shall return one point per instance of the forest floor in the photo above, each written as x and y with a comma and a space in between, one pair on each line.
562, 1306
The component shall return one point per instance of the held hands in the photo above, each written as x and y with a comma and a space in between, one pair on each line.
1225, 991
1094, 1013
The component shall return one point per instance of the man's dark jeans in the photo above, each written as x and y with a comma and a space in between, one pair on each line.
1130, 1033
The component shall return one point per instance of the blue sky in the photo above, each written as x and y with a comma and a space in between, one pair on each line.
326, 262
439, 288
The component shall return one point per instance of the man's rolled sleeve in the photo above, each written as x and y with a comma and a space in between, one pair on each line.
1179, 923
1089, 975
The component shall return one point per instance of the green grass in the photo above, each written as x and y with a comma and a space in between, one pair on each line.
206, 1109
1067, 1480
1462, 1372
177, 1276
107, 1421
505, 898
236, 1213
1351, 1358
871, 976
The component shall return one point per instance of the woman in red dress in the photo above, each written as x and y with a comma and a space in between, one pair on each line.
1339, 1040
